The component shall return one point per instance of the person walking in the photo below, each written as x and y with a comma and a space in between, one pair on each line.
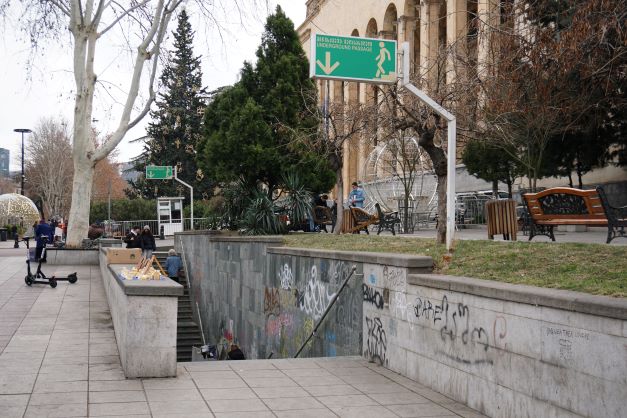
357, 196
147, 242
173, 264
43, 234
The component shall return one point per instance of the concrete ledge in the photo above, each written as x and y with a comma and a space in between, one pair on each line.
71, 256
413, 263
217, 236
165, 287
538, 296
144, 315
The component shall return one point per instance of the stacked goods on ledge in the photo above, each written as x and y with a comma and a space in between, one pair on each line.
142, 271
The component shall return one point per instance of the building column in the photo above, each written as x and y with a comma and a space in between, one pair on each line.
456, 28
488, 13
429, 38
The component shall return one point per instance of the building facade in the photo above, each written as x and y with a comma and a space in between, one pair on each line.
430, 27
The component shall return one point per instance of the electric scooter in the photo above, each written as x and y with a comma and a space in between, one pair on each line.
39, 277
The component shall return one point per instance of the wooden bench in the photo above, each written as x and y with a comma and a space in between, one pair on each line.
567, 206
361, 220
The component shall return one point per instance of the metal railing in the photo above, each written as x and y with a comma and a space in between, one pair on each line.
121, 228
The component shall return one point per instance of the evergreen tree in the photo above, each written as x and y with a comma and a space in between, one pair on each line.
250, 128
174, 134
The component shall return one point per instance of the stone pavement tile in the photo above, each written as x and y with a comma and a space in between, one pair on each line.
61, 411
188, 415
461, 409
255, 414
376, 379
334, 363
389, 387
280, 392
431, 395
318, 380
307, 372
156, 395
242, 405
117, 396
206, 366
79, 369
286, 364
421, 410
104, 360
110, 385
261, 382
23, 366
398, 398
120, 408
353, 371
69, 376
236, 393
264, 373
239, 366
218, 374
77, 361
172, 383
11, 384
58, 398
48, 387
105, 349
180, 407
310, 413
286, 404
363, 412
332, 390
346, 400
106, 371
13, 405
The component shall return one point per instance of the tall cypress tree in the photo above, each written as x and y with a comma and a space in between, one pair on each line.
174, 134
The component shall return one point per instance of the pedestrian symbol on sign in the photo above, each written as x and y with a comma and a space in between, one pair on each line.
384, 55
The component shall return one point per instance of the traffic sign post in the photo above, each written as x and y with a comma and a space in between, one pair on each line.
159, 172
355, 59
167, 172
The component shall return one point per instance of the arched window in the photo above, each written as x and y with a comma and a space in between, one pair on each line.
390, 23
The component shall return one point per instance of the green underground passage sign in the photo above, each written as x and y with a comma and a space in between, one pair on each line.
159, 172
354, 59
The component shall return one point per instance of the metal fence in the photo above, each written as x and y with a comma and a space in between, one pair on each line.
121, 228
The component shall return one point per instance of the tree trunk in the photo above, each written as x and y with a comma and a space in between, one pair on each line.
438, 158
81, 199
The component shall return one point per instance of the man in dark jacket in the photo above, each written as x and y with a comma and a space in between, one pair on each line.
43, 233
132, 238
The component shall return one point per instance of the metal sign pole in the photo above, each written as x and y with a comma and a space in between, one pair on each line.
452, 144
191, 202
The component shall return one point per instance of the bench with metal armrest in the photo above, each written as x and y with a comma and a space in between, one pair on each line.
387, 221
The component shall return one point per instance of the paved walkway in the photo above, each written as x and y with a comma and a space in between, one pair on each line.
58, 358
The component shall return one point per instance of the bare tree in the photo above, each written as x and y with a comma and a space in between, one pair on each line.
144, 25
48, 166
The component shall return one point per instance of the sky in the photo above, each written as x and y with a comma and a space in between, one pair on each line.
46, 91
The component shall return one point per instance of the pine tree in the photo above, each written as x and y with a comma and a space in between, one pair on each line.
251, 127
174, 134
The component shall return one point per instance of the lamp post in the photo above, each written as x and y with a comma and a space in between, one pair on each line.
22, 131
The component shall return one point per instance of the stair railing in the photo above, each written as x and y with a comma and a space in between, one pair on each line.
326, 311
189, 291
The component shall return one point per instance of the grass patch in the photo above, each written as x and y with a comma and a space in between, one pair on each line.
591, 268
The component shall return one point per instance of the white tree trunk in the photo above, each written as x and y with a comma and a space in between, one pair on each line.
78, 224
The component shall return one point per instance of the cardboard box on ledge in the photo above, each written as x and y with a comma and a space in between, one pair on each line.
123, 255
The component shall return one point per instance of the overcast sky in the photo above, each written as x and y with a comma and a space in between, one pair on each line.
48, 90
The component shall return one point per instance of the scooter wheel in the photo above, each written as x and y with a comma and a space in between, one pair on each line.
53, 283
72, 278
28, 281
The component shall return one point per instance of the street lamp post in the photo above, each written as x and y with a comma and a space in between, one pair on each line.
22, 131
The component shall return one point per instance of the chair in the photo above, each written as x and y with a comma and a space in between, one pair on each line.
386, 221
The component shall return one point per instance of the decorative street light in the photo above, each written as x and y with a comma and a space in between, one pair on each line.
22, 131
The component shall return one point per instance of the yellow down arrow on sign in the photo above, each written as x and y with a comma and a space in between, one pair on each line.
327, 68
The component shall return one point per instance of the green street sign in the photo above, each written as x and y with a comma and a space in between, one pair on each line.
159, 172
354, 59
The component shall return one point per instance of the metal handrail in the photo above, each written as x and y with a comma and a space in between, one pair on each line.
326, 311
189, 290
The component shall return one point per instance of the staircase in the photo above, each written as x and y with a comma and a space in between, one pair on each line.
188, 332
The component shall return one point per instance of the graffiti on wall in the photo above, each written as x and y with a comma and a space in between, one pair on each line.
376, 344
456, 325
286, 278
271, 301
315, 298
394, 279
372, 296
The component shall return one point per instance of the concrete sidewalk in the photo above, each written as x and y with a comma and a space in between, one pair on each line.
59, 358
